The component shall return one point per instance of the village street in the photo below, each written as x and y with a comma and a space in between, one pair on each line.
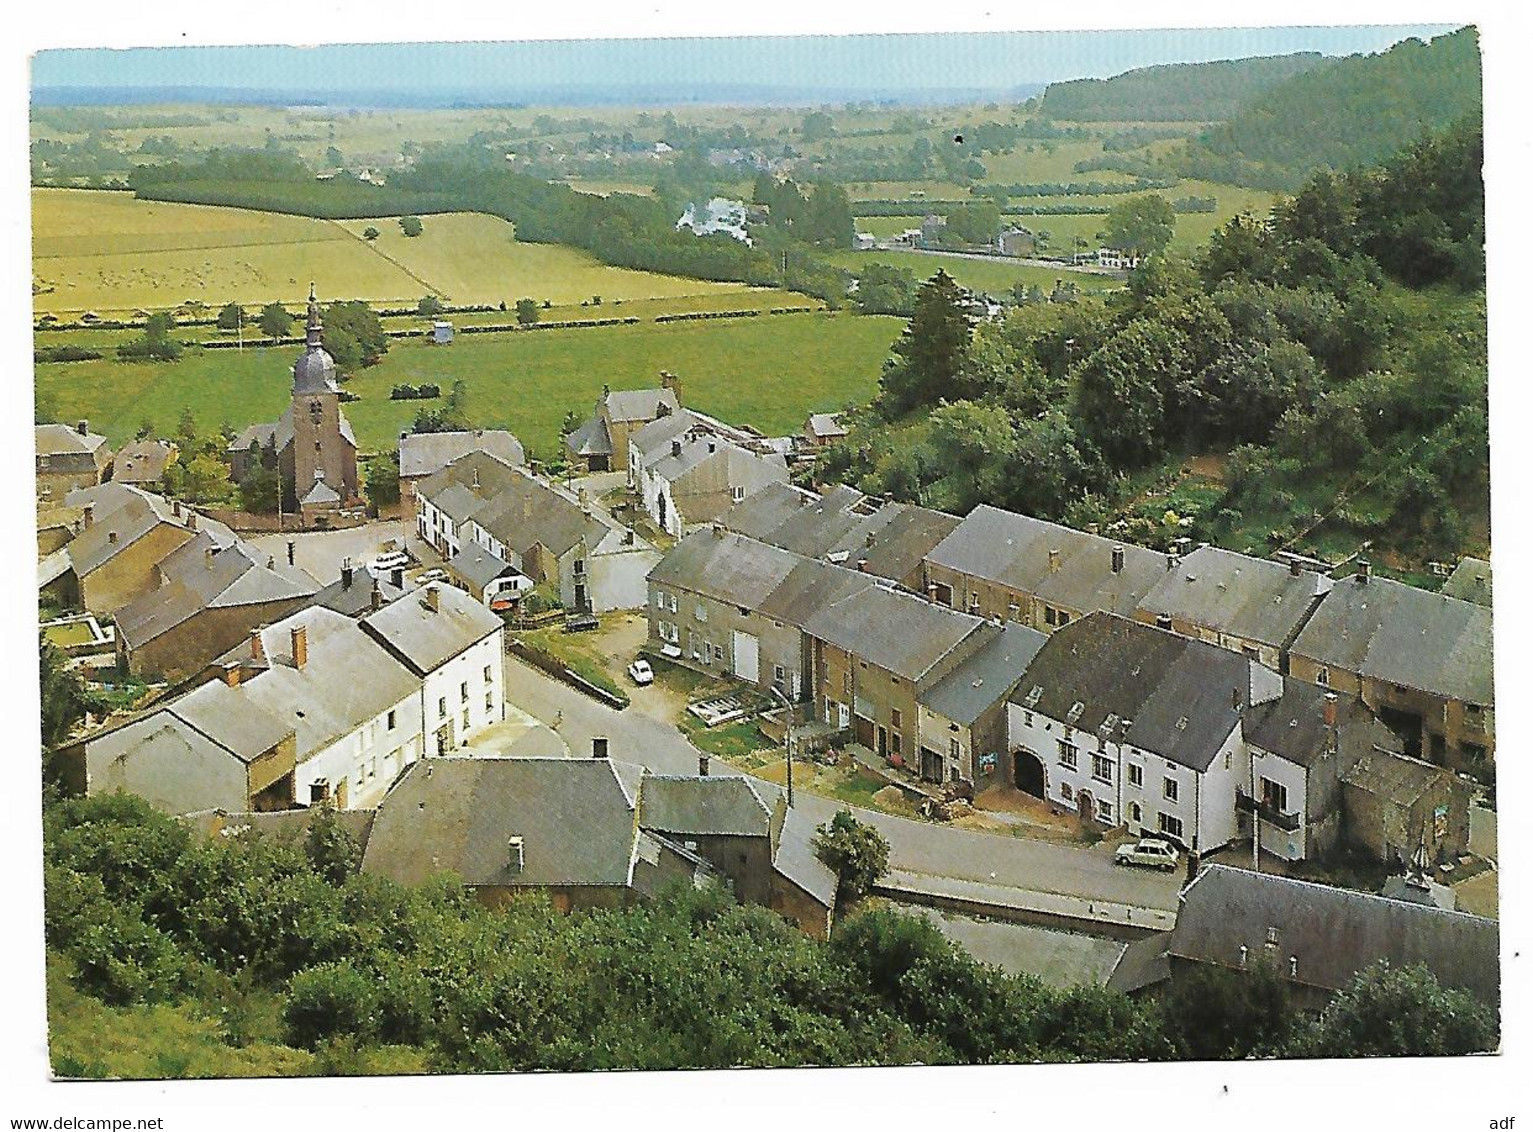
915, 846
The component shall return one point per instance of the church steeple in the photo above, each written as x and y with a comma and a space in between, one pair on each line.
316, 328
314, 372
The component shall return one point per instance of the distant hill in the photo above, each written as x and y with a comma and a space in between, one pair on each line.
1353, 111
1177, 92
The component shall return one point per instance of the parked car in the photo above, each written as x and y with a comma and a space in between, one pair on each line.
1150, 852
640, 672
383, 563
435, 575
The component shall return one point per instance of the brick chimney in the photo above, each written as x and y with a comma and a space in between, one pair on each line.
1294, 569
598, 746
375, 599
257, 645
433, 598
111, 538
232, 674
90, 514
207, 555
1117, 560
191, 519
1328, 713
669, 380
300, 637
1053, 559
83, 428
346, 573
675, 448
862, 565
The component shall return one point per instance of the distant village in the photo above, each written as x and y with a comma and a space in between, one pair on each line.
1200, 698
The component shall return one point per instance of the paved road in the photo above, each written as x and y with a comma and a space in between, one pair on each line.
915, 846
320, 553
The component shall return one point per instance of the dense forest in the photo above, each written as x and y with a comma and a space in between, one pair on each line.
1338, 348
1177, 92
174, 955
1351, 112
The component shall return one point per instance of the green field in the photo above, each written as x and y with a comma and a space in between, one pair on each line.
992, 275
770, 372
111, 253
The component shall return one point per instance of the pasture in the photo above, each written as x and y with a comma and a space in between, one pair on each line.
995, 275
770, 372
111, 253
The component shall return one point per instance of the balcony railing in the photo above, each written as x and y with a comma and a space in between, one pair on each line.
1267, 812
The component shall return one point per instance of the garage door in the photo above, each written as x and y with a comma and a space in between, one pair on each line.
747, 656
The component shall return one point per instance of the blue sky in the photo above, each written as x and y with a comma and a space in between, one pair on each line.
873, 62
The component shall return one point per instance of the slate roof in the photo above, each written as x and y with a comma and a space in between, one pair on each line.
527, 512
826, 425
724, 566
767, 510
143, 461
1470, 581
164, 759
61, 439
895, 631
1293, 726
244, 728
1180, 694
590, 439
321, 493
1389, 631
193, 581
455, 814
694, 806
425, 639
639, 404
987, 677
1143, 963
796, 861
1333, 932
425, 453
477, 566
902, 542
94, 547
1086, 580
1395, 777
809, 586
357, 598
467, 485
1233, 593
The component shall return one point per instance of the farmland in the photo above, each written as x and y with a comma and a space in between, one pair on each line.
769, 372
109, 252
994, 275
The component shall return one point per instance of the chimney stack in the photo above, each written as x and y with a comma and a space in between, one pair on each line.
1294, 569
1117, 560
232, 675
300, 646
869, 540
433, 598
1329, 711
271, 562
292, 548
702, 766
207, 555
1053, 559
111, 538
931, 592
514, 855
90, 514
191, 519
175, 508
675, 448
397, 577
1364, 570
1235, 697
346, 573
257, 645
598, 746
375, 599
83, 428
862, 565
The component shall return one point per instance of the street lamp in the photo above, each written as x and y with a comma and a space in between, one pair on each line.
787, 735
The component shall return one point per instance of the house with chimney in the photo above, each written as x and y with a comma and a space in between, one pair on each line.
69, 457
1249, 605
687, 469
1469, 581
1395, 805
873, 654
1316, 938
423, 454
1421, 661
997, 563
821, 430
601, 443
211, 593
961, 719
143, 462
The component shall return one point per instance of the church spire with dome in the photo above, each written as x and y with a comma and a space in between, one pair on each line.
314, 371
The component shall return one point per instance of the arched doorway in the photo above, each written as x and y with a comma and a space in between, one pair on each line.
1027, 773
1086, 805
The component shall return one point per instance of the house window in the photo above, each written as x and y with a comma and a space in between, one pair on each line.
1135, 813
1168, 789
779, 673
700, 613
1067, 755
1067, 792
1027, 719
954, 749
1227, 757
896, 719
486, 673
1323, 677
1101, 768
1170, 825
718, 654
463, 692
1049, 616
1275, 795
465, 719
737, 493
1135, 774
895, 742
1104, 811
489, 701
580, 566
391, 721
441, 707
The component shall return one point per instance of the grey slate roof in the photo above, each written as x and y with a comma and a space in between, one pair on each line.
60, 439
143, 461
425, 639
1293, 726
1390, 631
357, 598
895, 631
1236, 594
454, 814
826, 425
477, 566
1334, 933
467, 485
1180, 694
796, 861
244, 728
1143, 963
810, 586
767, 510
425, 453
690, 805
987, 677
1470, 580
590, 439
724, 566
165, 760
1086, 580
1395, 777
639, 404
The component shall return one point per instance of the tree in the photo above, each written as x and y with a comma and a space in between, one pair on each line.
275, 321
1215, 1012
411, 225
156, 344
1399, 1012
381, 484
1141, 225
259, 491
370, 233
331, 849
817, 126
857, 853
354, 335
334, 156
429, 307
65, 698
526, 312
231, 316
930, 354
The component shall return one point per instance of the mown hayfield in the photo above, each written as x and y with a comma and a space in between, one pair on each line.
770, 372
470, 257
993, 275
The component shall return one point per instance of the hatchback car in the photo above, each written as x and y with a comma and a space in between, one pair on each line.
1149, 852
640, 672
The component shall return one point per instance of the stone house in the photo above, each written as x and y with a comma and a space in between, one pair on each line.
688, 469
821, 430
1396, 804
1421, 661
601, 443
874, 652
68, 458
1470, 581
426, 453
143, 462
962, 718
1249, 605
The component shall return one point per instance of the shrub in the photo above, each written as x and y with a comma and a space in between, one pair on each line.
332, 1000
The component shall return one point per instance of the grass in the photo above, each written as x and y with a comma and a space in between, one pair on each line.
577, 652
109, 252
769, 372
995, 276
